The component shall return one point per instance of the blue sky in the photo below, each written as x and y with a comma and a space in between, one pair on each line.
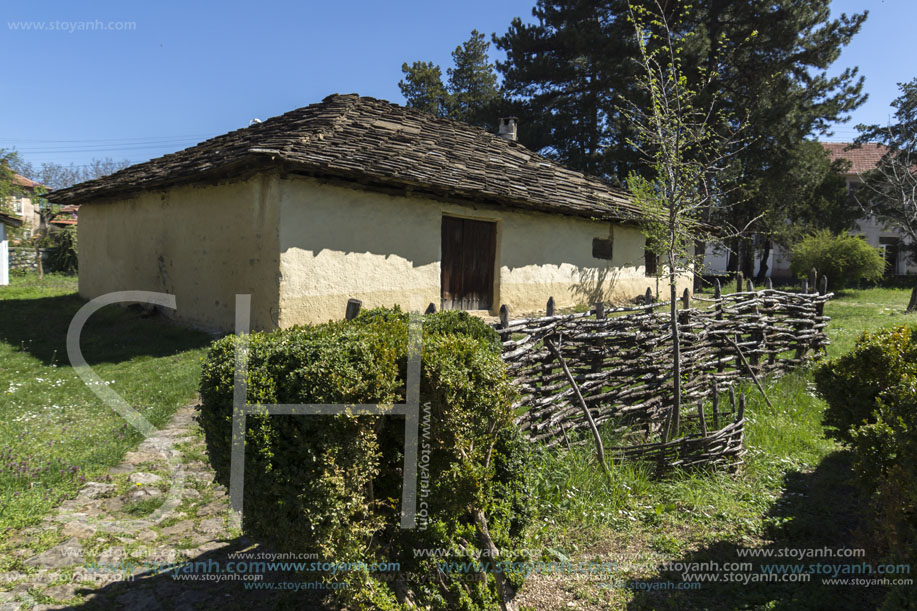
168, 74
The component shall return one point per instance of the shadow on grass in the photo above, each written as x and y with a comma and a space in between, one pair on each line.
205, 587
819, 510
38, 326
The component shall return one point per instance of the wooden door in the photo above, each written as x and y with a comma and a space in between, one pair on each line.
467, 278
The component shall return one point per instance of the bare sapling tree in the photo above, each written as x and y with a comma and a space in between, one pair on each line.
684, 146
891, 188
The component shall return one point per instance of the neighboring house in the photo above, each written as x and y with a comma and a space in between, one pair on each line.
25, 205
65, 217
6, 221
886, 238
880, 235
357, 198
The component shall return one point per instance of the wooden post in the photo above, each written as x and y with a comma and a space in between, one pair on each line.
912, 305
648, 296
599, 345
431, 309
716, 407
703, 421
768, 283
736, 341
549, 309
749, 286
758, 337
684, 315
813, 279
718, 296
822, 290
504, 316
741, 413
739, 280
353, 308
805, 286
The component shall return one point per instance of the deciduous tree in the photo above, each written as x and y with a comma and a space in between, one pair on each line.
891, 192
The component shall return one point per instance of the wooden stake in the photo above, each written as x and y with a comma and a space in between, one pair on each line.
353, 308
751, 372
599, 448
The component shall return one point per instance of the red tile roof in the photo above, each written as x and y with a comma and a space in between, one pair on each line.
863, 158
22, 181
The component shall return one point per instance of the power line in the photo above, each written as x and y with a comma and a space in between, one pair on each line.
126, 139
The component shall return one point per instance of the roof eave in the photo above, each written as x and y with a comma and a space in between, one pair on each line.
259, 159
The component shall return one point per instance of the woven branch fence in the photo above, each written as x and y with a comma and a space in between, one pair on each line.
620, 360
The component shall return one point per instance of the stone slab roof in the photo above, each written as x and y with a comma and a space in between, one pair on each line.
377, 144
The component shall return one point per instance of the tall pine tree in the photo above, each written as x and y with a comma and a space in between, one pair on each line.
768, 59
471, 93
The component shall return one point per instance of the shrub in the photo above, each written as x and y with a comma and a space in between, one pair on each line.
852, 384
844, 259
63, 256
872, 393
331, 485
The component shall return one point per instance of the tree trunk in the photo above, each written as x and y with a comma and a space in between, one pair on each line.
504, 588
40, 267
732, 263
763, 267
700, 254
676, 353
747, 259
912, 306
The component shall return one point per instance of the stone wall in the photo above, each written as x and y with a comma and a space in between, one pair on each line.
24, 258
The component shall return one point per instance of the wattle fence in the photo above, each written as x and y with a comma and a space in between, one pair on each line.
620, 362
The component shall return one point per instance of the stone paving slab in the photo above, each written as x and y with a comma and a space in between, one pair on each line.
120, 540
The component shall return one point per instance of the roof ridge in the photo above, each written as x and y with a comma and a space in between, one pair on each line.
378, 142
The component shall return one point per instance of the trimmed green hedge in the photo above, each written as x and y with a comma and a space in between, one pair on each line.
331, 485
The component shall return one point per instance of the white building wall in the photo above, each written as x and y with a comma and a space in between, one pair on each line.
4, 257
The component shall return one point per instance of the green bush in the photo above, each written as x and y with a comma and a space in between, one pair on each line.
852, 383
331, 485
872, 393
845, 259
63, 256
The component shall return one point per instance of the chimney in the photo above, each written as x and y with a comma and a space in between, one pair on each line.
508, 127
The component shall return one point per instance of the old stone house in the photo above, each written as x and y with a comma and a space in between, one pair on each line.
25, 204
356, 197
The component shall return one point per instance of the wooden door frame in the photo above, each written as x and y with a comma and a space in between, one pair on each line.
498, 237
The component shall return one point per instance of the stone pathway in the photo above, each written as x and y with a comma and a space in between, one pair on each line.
118, 544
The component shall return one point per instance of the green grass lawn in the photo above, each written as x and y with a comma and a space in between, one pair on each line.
794, 491
55, 433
